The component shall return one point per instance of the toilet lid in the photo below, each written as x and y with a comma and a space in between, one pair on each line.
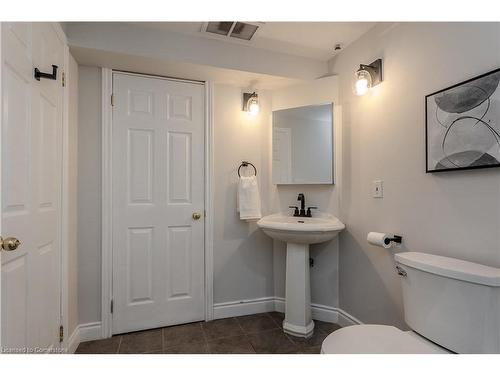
377, 339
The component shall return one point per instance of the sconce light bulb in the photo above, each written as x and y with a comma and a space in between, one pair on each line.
253, 107
361, 86
363, 82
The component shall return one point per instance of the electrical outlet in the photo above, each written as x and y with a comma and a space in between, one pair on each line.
378, 189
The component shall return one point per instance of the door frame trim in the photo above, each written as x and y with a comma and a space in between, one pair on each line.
209, 202
107, 195
65, 203
1, 127
106, 210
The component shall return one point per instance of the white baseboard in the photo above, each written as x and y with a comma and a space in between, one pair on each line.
324, 313
268, 304
73, 341
346, 319
83, 332
90, 331
245, 307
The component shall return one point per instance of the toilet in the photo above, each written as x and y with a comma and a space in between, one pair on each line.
451, 306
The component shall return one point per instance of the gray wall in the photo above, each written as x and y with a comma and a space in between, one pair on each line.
454, 214
243, 256
89, 194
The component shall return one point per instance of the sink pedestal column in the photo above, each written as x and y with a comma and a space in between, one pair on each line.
298, 321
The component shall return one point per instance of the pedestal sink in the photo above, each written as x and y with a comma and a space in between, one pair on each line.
299, 233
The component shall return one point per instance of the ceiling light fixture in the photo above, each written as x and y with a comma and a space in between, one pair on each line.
251, 102
368, 76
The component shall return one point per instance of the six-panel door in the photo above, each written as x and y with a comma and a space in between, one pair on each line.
158, 183
31, 186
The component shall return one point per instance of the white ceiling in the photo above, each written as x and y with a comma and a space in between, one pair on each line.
155, 66
314, 40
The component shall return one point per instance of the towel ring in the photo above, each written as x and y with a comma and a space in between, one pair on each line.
246, 164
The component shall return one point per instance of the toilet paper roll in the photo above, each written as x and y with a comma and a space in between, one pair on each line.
379, 239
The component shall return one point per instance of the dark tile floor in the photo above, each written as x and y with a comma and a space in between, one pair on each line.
259, 333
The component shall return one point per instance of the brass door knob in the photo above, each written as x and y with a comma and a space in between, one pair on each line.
196, 216
10, 243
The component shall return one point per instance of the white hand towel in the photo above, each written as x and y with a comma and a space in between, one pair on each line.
248, 203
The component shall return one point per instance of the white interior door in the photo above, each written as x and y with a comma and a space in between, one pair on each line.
158, 185
31, 186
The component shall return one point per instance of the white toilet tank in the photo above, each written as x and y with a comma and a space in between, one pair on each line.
451, 302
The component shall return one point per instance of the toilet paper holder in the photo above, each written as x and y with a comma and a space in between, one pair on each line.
395, 238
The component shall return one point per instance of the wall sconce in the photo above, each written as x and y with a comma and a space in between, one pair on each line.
368, 76
251, 102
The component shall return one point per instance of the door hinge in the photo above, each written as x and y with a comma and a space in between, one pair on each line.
63, 79
112, 100
112, 306
61, 333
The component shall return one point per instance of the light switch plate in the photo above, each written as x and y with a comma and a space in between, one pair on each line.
378, 189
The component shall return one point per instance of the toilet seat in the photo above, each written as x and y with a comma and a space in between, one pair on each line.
377, 339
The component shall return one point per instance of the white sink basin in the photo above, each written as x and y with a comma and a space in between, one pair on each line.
301, 230
299, 233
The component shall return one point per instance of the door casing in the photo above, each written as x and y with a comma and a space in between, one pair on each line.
107, 195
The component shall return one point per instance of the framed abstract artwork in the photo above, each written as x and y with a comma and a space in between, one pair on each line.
462, 125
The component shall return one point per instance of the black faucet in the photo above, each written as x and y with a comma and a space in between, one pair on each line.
302, 212
302, 200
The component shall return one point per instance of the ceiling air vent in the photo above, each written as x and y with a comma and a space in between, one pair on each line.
239, 30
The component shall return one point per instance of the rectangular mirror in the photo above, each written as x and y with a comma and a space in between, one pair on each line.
303, 145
